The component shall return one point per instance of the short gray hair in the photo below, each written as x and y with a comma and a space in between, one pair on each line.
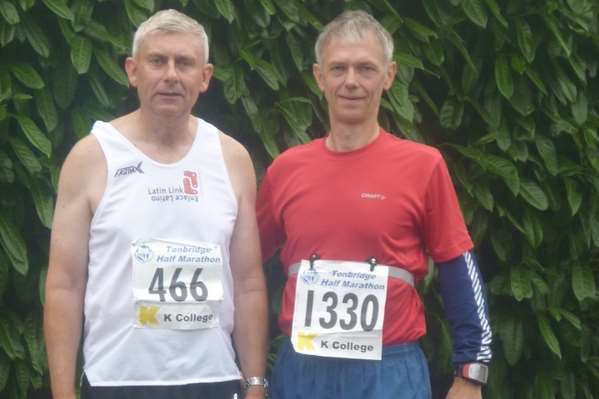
354, 24
169, 21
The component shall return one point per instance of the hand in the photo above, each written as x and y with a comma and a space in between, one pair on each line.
464, 389
255, 392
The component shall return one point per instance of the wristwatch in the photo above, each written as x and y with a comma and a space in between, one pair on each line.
474, 372
256, 382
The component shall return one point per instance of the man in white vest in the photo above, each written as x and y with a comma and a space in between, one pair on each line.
154, 257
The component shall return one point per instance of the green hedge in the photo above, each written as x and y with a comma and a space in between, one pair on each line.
507, 89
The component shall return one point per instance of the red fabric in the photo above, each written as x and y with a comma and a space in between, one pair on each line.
392, 199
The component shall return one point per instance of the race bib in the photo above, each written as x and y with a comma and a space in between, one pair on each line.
176, 285
339, 309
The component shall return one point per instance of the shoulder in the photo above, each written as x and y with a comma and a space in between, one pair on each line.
239, 166
85, 157
233, 151
295, 156
406, 146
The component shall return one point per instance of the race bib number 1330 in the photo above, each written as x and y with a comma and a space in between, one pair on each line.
339, 309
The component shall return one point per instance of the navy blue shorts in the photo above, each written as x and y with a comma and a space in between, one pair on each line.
213, 390
401, 374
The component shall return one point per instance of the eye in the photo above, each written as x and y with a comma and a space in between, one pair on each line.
155, 61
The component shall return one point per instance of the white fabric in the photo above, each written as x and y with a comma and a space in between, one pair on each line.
189, 200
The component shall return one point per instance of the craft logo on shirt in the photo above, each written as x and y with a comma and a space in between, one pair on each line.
187, 190
127, 170
373, 196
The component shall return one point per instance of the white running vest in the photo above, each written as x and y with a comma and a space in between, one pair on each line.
189, 200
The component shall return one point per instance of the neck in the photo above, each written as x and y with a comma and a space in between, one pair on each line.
166, 131
344, 138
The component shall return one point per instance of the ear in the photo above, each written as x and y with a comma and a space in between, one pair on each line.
390, 75
207, 72
131, 69
317, 72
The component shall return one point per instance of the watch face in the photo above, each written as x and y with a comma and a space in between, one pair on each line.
476, 372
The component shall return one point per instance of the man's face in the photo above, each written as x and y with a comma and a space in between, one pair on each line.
353, 74
169, 73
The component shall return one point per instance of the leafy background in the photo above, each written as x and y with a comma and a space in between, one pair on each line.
507, 89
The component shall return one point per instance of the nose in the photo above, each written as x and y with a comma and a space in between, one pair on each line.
171, 74
351, 77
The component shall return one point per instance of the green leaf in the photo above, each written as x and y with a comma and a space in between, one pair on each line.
14, 245
64, 84
35, 135
27, 75
25, 155
60, 8
475, 12
99, 90
503, 77
580, 109
574, 195
297, 111
296, 51
268, 73
7, 34
400, 100
494, 164
7, 173
22, 376
583, 282
522, 100
405, 59
572, 319
80, 124
226, 9
435, 52
458, 42
511, 332
108, 64
268, 6
135, 13
420, 31
520, 283
36, 37
557, 32
147, 4
451, 114
533, 194
44, 203
536, 79
548, 152
533, 229
290, 9
32, 336
492, 4
4, 371
81, 53
525, 40
484, 196
46, 108
9, 12
549, 336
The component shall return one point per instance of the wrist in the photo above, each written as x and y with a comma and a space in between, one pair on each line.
256, 384
474, 373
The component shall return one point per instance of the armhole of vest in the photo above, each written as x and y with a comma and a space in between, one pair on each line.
99, 133
225, 169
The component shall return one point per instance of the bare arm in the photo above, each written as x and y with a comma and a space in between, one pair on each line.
251, 318
67, 270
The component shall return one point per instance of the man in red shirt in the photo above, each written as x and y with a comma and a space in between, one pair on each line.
356, 215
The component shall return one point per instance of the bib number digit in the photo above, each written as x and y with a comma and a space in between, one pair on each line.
157, 284
369, 311
178, 289
198, 285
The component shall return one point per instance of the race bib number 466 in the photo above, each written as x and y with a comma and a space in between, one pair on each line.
339, 309
176, 285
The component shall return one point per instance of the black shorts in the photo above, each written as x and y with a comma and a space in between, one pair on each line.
213, 390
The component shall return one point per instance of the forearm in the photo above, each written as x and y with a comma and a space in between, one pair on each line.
251, 328
62, 330
466, 309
